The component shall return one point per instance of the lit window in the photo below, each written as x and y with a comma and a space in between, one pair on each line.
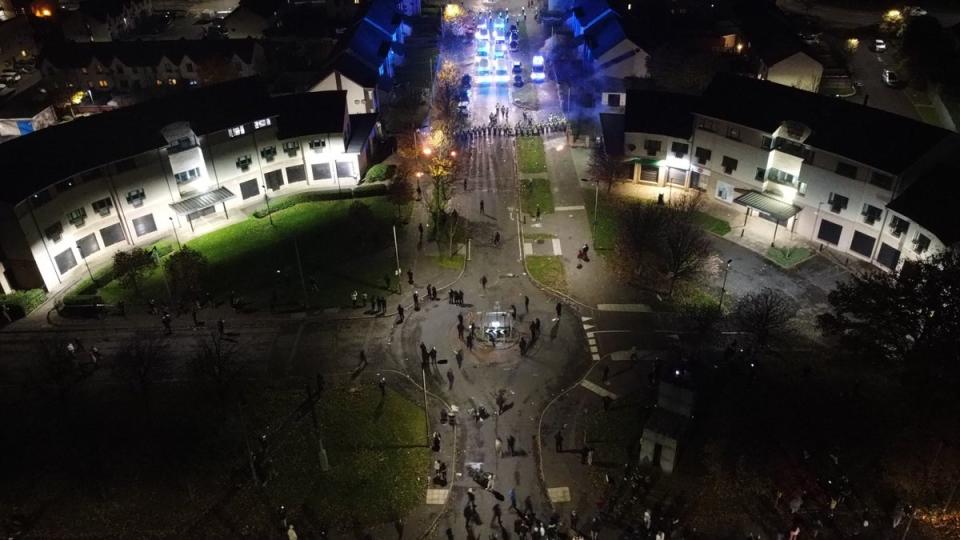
103, 83
172, 82
235, 131
159, 82
262, 123
187, 176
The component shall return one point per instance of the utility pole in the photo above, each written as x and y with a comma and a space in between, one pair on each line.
396, 250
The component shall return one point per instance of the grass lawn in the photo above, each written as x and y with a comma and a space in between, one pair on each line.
548, 270
536, 191
377, 453
531, 157
605, 230
717, 226
788, 257
338, 254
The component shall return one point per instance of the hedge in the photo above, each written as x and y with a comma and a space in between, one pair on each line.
276, 205
20, 303
380, 172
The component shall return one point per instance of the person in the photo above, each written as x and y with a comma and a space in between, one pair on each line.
558, 439
382, 384
481, 206
511, 444
353, 297
498, 444
165, 320
420, 228
410, 277
523, 346
436, 441
433, 355
363, 300
526, 303
513, 498
559, 309
416, 301
496, 239
513, 312
291, 533
221, 327
470, 341
460, 330
399, 313
483, 282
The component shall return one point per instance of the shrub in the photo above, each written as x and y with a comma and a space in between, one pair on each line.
380, 172
187, 271
20, 303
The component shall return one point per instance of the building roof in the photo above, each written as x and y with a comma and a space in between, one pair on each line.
384, 15
35, 161
604, 35
587, 11
932, 202
147, 53
771, 35
871, 136
611, 125
663, 113
360, 127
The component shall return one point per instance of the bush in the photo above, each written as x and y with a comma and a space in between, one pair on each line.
20, 303
380, 172
80, 305
288, 202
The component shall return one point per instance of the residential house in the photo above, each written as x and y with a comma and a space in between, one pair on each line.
184, 162
864, 182
104, 20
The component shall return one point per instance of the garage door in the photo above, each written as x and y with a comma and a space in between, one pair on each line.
862, 244
677, 177
649, 173
829, 232
888, 256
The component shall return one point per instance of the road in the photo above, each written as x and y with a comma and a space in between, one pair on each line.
855, 18
866, 66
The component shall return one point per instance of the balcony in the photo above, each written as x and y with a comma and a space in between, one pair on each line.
793, 148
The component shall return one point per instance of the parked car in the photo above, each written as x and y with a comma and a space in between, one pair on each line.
879, 45
890, 78
10, 74
536, 73
518, 67
518, 80
501, 75
465, 81
514, 46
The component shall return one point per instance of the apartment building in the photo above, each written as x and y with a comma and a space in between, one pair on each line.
138, 66
864, 182
87, 188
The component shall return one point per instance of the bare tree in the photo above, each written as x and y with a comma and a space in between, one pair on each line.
604, 167
684, 250
400, 192
215, 361
142, 363
764, 313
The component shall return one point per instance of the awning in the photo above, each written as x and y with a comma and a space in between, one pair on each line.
768, 205
643, 161
201, 201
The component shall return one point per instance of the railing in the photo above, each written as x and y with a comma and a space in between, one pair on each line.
790, 147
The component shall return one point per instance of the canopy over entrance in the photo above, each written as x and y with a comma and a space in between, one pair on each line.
780, 210
201, 201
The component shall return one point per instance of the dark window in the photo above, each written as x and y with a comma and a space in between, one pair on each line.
54, 232
695, 180
829, 232
249, 189
136, 197
243, 162
88, 245
676, 176
613, 100
112, 234
679, 149
344, 169
862, 244
898, 226
888, 256
802, 189
649, 173
881, 180
871, 214
144, 225
760, 173
766, 143
846, 169
652, 147
291, 148
729, 164
703, 155
269, 153
77, 217
296, 173
733, 133
921, 243
707, 125
187, 176
321, 171
837, 203
274, 179
102, 206
66, 261
318, 144
188, 67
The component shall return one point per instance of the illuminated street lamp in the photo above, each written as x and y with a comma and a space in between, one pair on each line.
723, 288
453, 153
427, 150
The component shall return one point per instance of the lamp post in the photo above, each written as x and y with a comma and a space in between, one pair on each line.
266, 199
396, 250
723, 288
176, 234
85, 263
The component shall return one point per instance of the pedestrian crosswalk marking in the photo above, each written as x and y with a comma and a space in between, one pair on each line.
597, 389
559, 494
569, 208
593, 349
588, 326
556, 247
596, 357
585, 319
437, 496
528, 248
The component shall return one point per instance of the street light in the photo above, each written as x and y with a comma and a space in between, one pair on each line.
723, 288
266, 199
175, 234
453, 153
85, 263
427, 151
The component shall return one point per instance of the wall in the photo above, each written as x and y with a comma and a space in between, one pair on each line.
799, 71
360, 100
633, 65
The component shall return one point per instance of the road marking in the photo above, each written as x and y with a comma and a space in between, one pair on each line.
625, 308
597, 389
556, 247
585, 319
588, 326
596, 357
594, 349
437, 496
559, 494
569, 208
528, 248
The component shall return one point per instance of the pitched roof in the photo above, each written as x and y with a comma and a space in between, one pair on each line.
604, 35
147, 53
663, 113
384, 14
586, 11
932, 202
33, 162
871, 136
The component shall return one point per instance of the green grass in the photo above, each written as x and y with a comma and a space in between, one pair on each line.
21, 303
536, 191
531, 157
253, 256
534, 237
717, 226
548, 270
788, 257
379, 173
454, 262
377, 455
605, 230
